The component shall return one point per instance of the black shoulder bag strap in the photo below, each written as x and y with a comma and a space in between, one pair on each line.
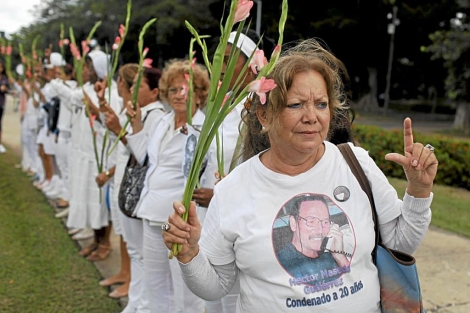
357, 170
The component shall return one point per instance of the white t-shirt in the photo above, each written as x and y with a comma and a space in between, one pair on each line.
246, 223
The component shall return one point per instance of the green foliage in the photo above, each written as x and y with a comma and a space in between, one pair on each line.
453, 154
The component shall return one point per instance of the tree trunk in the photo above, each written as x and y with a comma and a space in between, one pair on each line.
369, 101
462, 117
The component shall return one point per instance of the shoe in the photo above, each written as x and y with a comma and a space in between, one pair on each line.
30, 173
84, 234
62, 204
101, 253
114, 280
35, 179
62, 214
43, 185
87, 250
48, 188
73, 231
20, 166
119, 292
2, 149
53, 194
129, 309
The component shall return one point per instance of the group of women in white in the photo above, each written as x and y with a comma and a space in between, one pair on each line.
66, 165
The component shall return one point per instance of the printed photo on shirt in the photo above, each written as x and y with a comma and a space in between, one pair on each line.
312, 237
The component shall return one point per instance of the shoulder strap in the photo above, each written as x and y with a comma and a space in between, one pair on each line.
357, 170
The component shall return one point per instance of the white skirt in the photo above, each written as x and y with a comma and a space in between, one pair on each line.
85, 208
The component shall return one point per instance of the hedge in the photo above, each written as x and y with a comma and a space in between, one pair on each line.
453, 154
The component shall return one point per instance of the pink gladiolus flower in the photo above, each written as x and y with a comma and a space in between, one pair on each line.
187, 77
115, 46
147, 63
117, 40
258, 61
35, 55
2, 49
184, 90
122, 30
243, 10
61, 43
276, 51
261, 87
92, 120
75, 52
66, 41
85, 47
146, 50
227, 96
9, 49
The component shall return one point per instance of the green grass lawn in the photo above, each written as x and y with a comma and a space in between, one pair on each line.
40, 269
450, 207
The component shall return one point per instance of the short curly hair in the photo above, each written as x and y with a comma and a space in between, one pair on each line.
180, 67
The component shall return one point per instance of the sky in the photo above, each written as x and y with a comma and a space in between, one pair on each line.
15, 14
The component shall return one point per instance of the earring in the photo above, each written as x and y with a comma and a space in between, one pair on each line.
263, 128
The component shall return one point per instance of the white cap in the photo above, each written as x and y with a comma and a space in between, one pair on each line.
55, 60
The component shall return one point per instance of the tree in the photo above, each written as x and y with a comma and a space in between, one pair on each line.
452, 46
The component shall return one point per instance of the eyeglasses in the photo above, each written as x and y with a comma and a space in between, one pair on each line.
312, 221
176, 90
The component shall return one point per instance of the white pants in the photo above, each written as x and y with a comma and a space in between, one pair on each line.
25, 158
164, 286
132, 233
62, 158
30, 137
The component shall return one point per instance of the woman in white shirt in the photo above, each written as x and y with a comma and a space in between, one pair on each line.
131, 229
168, 149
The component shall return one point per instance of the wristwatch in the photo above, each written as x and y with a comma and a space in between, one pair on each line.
107, 173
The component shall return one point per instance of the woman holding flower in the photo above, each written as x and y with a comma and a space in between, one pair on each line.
169, 146
131, 229
255, 212
86, 210
229, 133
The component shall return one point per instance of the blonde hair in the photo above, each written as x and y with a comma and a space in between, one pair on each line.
180, 67
308, 55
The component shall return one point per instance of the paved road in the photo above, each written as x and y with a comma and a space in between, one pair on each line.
443, 258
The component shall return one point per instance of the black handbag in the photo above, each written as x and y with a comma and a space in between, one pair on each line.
131, 185
400, 289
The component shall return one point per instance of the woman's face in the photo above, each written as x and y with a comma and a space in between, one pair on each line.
145, 95
92, 76
247, 74
178, 95
304, 122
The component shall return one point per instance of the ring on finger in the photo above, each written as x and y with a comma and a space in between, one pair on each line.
166, 226
428, 146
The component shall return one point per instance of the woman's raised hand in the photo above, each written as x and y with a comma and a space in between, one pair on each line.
180, 232
419, 163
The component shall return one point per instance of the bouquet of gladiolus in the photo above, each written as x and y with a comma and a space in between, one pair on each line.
143, 62
221, 100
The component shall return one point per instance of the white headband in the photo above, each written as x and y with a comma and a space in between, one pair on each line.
244, 43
